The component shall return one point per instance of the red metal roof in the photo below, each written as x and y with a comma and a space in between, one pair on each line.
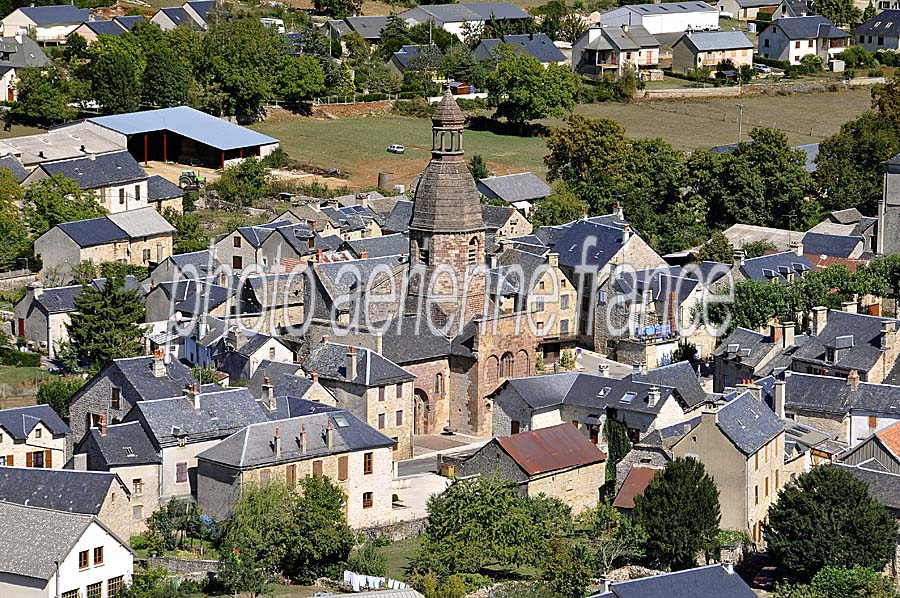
635, 483
551, 449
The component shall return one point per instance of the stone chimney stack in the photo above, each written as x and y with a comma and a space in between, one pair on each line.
329, 433
853, 379
364, 254
888, 330
351, 363
820, 318
159, 253
269, 392
780, 397
36, 289
312, 243
740, 257
709, 417
787, 334
796, 247
192, 392
603, 370
303, 439
653, 396
849, 307
315, 376
618, 212
277, 442
626, 233
775, 331
159, 363
553, 260
102, 425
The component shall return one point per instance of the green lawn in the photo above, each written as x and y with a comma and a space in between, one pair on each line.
19, 131
23, 375
398, 555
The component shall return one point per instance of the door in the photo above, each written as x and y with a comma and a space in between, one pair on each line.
422, 413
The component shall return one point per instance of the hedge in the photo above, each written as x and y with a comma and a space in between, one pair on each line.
19, 359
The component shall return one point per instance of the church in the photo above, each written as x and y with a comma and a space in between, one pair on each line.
429, 311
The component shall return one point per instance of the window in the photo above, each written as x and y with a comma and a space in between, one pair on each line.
137, 192
114, 587
473, 251
396, 444
564, 302
564, 327
342, 468
777, 472
756, 495
98, 555
541, 285
95, 590
767, 453
810, 45
873, 421
37, 432
368, 500
381, 393
539, 304
264, 476
766, 44
121, 196
797, 44
115, 399
83, 562
767, 486
181, 474
367, 463
398, 391
398, 417
506, 365
237, 241
514, 427
35, 459
237, 262
290, 473
271, 352
137, 512
756, 459
381, 421
862, 38
317, 468
71, 594
145, 255
439, 384
137, 486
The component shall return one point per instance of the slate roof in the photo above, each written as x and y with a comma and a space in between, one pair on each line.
409, 53
536, 45
712, 580
512, 263
833, 245
143, 222
866, 341
748, 346
135, 376
383, 246
885, 23
59, 299
159, 188
748, 423
57, 489
93, 232
399, 218
188, 122
709, 41
18, 422
274, 371
14, 166
257, 233
105, 27
680, 376
809, 27
523, 186
124, 444
34, 539
372, 369
667, 8
883, 486
408, 339
550, 449
59, 14
368, 27
776, 265
471, 11
129, 21
221, 414
101, 170
177, 15
539, 392
588, 244
340, 281
254, 445
830, 394
496, 216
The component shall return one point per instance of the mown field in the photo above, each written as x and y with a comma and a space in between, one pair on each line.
357, 145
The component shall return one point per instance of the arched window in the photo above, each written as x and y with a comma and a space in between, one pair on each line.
473, 250
506, 365
439, 384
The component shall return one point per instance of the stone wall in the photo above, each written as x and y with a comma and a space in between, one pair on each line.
394, 532
195, 569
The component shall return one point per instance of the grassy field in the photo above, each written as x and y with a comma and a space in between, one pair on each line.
23, 375
357, 145
398, 556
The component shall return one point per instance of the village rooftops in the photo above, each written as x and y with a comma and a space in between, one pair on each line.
19, 422
809, 27
830, 394
59, 14
96, 171
552, 449
749, 423
702, 582
511, 188
120, 445
330, 360
57, 489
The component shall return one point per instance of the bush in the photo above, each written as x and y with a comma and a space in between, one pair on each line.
367, 560
876, 73
415, 107
472, 104
884, 57
19, 359
778, 64
857, 56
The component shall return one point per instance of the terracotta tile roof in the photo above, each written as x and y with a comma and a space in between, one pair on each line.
890, 437
551, 449
635, 483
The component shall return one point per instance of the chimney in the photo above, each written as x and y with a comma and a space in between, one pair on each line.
635, 367
820, 318
319, 255
269, 392
302, 439
625, 28
787, 334
364, 254
780, 397
709, 417
553, 260
626, 233
643, 367
492, 260
848, 307
277, 442
888, 329
102, 425
223, 279
192, 392
740, 257
618, 212
159, 363
79, 462
751, 387
159, 253
324, 338
603, 370
315, 376
853, 379
351, 363
36, 289
328, 435
729, 567
775, 331
18, 37
312, 224
312, 243
653, 396
796, 247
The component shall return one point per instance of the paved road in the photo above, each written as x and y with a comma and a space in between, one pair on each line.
412, 467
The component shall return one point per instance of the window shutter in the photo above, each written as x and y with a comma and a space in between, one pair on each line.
28, 462
342, 468
48, 459
11, 460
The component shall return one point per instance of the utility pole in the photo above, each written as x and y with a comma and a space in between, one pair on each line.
740, 122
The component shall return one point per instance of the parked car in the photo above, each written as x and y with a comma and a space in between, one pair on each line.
762, 68
765, 578
396, 148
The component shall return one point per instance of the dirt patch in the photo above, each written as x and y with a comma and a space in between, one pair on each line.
171, 171
352, 110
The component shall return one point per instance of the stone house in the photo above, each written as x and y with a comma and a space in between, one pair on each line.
110, 394
290, 247
329, 442
792, 38
238, 355
536, 45
92, 30
126, 451
883, 446
46, 554
742, 447
711, 580
32, 437
750, 355
19, 52
184, 426
241, 248
881, 32
504, 222
520, 190
456, 20
557, 462
139, 237
371, 387
196, 264
710, 49
309, 213
96, 493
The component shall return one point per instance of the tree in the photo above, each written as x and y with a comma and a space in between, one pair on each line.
14, 240
566, 569
686, 351
338, 9
717, 249
115, 83
190, 235
680, 513
301, 79
56, 200
618, 445
76, 46
827, 517
367, 560
614, 538
166, 79
343, 83
560, 207
245, 183
840, 582
239, 571
43, 96
523, 90
758, 248
746, 73
57, 392
869, 13
840, 12
104, 325
478, 167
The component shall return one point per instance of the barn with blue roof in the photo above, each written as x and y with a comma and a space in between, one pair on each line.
185, 135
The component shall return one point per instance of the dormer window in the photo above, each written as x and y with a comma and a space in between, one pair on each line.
37, 432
